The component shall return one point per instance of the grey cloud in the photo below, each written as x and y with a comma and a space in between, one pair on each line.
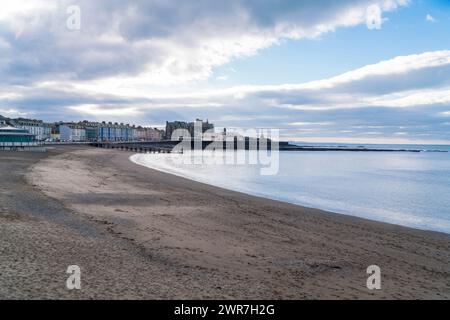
418, 122
46, 49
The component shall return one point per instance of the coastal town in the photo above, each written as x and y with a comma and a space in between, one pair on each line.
25, 133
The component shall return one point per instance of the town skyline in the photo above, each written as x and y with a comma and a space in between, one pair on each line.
101, 131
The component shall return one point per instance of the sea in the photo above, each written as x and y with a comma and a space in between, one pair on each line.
404, 188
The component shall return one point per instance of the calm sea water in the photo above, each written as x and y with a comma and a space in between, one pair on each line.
410, 189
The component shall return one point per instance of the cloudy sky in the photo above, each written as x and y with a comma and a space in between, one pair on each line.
322, 71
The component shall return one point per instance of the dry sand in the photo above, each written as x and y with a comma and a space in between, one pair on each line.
139, 233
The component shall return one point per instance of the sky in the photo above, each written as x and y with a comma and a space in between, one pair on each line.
361, 71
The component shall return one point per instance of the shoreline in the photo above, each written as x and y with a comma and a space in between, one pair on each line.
190, 240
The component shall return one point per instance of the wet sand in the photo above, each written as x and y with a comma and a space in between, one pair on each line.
139, 233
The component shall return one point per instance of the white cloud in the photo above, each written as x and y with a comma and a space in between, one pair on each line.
398, 65
401, 82
10, 10
411, 98
430, 18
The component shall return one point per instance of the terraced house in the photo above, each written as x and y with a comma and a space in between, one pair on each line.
87, 131
84, 131
72, 132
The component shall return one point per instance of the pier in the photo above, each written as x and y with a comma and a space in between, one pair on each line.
247, 144
168, 146
135, 147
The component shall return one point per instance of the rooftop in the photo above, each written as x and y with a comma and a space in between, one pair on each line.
8, 130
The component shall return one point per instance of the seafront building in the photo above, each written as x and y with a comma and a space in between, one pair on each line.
12, 138
115, 132
72, 132
87, 131
171, 127
91, 131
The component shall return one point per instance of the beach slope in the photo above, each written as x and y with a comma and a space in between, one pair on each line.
139, 233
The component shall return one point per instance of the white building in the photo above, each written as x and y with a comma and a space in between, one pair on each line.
72, 132
42, 131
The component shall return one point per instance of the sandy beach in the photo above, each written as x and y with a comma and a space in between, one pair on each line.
137, 233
